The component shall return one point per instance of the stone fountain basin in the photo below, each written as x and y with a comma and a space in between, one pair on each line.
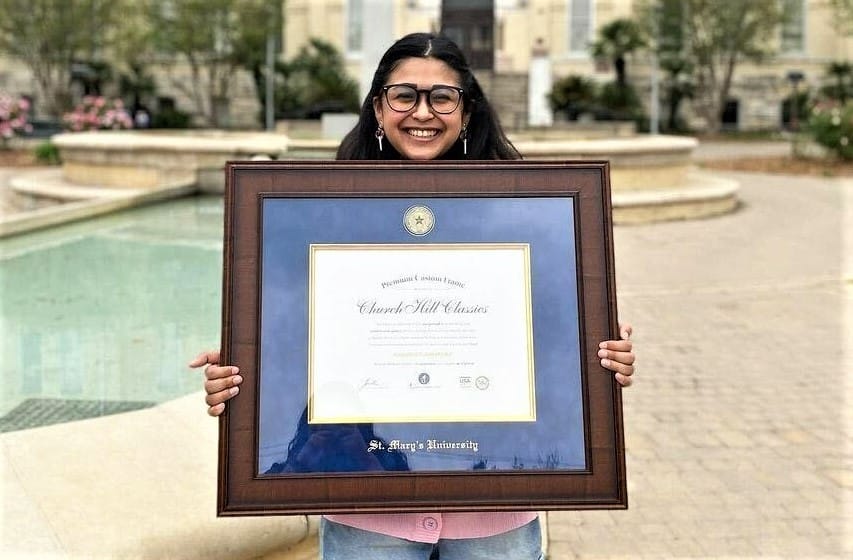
652, 177
149, 159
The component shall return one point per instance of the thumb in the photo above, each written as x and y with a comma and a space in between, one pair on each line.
211, 357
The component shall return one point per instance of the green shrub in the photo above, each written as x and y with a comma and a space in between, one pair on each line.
619, 102
831, 126
572, 95
47, 153
315, 82
169, 117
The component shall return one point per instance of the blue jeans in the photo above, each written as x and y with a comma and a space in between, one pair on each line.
341, 542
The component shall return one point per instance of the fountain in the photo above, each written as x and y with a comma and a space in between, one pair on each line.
652, 176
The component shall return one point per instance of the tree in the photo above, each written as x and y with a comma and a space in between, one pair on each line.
256, 22
49, 36
843, 11
663, 23
133, 53
721, 34
616, 40
214, 38
314, 81
841, 88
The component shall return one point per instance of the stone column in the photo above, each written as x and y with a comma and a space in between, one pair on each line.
377, 34
538, 85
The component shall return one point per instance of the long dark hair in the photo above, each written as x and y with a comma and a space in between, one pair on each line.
486, 139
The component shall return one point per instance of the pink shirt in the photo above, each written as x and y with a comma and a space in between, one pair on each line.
429, 527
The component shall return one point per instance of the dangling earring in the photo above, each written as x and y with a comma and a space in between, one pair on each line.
464, 137
380, 134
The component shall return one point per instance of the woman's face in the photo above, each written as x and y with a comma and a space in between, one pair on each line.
421, 132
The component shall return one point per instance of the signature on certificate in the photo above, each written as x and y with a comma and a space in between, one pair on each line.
370, 383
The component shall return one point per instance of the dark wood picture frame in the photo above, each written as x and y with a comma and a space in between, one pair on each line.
600, 485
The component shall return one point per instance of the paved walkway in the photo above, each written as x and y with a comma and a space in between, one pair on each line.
709, 150
739, 428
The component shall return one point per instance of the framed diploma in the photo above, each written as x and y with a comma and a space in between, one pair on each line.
419, 337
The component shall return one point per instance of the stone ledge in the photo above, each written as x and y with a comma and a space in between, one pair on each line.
134, 485
701, 186
704, 195
214, 141
607, 148
148, 159
49, 183
77, 202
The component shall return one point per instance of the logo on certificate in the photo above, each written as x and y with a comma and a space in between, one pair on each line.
418, 220
423, 378
482, 383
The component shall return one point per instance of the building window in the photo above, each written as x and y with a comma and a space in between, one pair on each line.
354, 24
580, 26
793, 26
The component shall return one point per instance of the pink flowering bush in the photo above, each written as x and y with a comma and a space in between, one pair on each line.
14, 116
98, 113
831, 125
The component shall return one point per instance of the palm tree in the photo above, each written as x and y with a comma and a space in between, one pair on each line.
616, 40
841, 72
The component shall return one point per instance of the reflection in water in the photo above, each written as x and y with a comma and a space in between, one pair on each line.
111, 308
337, 448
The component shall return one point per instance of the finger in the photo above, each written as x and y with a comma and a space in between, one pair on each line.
220, 384
624, 380
625, 330
622, 357
624, 369
216, 410
210, 357
218, 372
617, 345
221, 397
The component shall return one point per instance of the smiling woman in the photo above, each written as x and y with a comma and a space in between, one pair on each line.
425, 103
407, 115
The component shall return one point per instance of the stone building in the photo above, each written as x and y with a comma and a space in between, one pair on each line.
518, 47
527, 34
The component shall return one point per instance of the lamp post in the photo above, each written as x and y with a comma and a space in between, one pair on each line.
269, 94
795, 77
654, 102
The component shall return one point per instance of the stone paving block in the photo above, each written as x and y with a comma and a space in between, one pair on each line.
840, 477
689, 547
810, 528
561, 551
732, 547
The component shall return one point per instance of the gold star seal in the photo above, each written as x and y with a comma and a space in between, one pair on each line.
418, 220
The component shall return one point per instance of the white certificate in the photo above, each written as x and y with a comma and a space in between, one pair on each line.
420, 333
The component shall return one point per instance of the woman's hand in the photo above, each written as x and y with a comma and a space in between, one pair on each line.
220, 381
618, 355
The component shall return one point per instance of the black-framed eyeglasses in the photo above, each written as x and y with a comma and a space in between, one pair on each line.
441, 98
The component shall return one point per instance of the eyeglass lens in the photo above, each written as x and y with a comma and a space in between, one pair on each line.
440, 99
